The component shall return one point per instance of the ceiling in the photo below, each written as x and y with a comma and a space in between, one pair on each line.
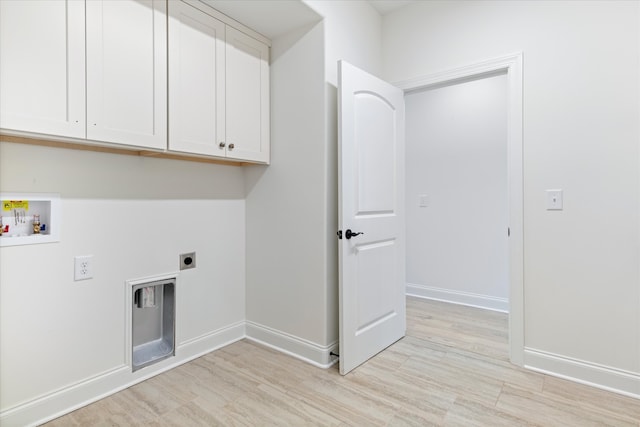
273, 18
387, 6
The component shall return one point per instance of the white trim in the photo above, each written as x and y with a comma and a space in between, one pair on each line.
53, 405
67, 399
592, 374
299, 348
486, 302
212, 341
638, 94
208, 7
513, 66
477, 70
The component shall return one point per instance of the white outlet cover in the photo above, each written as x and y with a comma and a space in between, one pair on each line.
423, 200
83, 267
554, 200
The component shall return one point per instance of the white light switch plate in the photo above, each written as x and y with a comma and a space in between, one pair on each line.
554, 200
423, 200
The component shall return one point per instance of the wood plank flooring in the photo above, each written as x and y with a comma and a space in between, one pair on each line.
451, 369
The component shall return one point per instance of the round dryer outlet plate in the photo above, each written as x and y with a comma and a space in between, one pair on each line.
187, 261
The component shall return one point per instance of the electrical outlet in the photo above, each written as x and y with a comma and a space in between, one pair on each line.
187, 261
83, 267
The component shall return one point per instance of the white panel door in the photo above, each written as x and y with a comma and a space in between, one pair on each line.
247, 100
371, 204
42, 75
127, 72
196, 81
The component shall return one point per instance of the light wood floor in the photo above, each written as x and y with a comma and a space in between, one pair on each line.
450, 370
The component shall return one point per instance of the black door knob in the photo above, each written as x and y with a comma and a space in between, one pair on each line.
349, 234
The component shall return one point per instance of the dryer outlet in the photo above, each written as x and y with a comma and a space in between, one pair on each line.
187, 261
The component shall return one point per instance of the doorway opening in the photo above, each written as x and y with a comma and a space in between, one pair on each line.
456, 175
508, 68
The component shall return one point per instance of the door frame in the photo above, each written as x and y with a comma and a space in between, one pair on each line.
512, 65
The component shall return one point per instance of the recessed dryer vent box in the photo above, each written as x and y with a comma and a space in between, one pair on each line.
18, 212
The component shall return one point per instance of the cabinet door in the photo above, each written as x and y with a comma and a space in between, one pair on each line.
196, 81
126, 72
247, 100
42, 57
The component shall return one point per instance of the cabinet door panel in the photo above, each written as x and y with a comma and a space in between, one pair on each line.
42, 75
196, 81
126, 72
247, 101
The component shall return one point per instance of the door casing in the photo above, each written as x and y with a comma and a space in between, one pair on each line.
512, 65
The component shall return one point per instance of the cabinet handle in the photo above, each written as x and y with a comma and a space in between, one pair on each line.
222, 144
231, 146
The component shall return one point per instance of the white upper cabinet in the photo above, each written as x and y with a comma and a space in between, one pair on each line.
247, 100
127, 72
218, 87
42, 74
123, 72
196, 81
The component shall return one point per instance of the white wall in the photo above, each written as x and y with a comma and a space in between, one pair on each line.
456, 139
353, 32
292, 282
63, 342
286, 281
581, 134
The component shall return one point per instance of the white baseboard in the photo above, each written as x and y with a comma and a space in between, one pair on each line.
53, 405
67, 399
604, 377
204, 344
458, 297
296, 347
